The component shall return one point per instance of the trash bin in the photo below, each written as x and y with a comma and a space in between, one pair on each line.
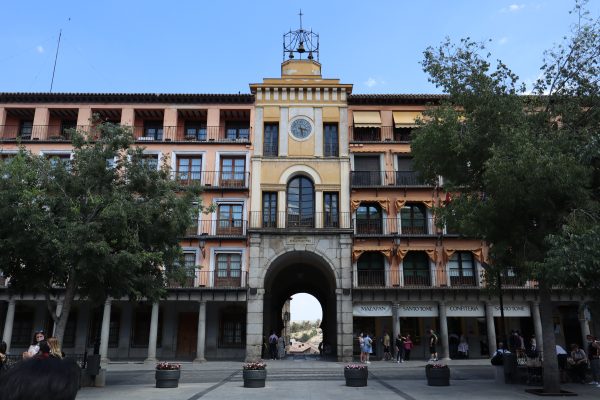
510, 368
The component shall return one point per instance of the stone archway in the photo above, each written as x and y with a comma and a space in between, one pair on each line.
295, 272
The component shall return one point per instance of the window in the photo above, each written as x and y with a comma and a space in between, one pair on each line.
150, 161
22, 328
229, 219
300, 202
232, 328
195, 131
229, 270
366, 171
189, 262
237, 130
413, 220
96, 326
367, 134
403, 134
416, 269
406, 175
233, 172
462, 269
330, 140
25, 130
70, 330
331, 210
269, 210
271, 142
189, 169
66, 127
371, 269
369, 219
56, 159
153, 130
140, 329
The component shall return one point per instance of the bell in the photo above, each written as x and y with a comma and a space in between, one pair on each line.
310, 55
291, 55
301, 48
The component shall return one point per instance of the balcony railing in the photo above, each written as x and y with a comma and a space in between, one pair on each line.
388, 134
367, 179
221, 228
287, 220
425, 278
219, 180
35, 132
209, 134
393, 226
227, 279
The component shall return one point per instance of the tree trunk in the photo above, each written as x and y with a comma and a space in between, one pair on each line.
61, 320
550, 364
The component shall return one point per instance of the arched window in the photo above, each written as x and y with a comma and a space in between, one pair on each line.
462, 269
416, 269
371, 269
300, 202
369, 219
414, 219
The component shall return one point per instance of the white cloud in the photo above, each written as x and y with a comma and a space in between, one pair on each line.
371, 82
503, 40
39, 49
513, 8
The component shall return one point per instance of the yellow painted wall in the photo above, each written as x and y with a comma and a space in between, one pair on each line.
301, 148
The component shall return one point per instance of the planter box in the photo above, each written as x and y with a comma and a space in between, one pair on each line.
254, 378
438, 376
167, 378
356, 377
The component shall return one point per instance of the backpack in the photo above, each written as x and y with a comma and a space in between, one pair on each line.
497, 359
273, 340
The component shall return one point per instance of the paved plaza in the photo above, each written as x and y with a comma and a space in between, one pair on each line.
308, 379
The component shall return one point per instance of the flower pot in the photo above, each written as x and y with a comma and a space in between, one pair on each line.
356, 377
167, 378
254, 378
438, 376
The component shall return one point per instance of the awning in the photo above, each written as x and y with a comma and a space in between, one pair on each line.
406, 119
366, 119
383, 203
385, 250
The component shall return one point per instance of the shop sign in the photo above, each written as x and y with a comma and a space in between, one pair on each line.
418, 310
513, 310
372, 310
465, 310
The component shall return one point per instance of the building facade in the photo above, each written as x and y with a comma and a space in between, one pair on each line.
315, 192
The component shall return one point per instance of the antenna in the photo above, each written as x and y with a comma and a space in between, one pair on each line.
56, 57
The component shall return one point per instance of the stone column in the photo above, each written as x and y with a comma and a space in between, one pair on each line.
201, 343
8, 323
105, 332
153, 334
585, 327
347, 329
444, 332
491, 328
537, 325
254, 305
395, 325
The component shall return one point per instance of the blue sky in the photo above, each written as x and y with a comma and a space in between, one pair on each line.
222, 46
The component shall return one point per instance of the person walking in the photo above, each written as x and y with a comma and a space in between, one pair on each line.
368, 347
594, 355
433, 339
387, 355
273, 345
361, 344
399, 345
408, 346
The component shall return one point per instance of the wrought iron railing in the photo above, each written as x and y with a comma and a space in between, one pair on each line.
214, 179
367, 179
222, 228
209, 134
35, 132
380, 134
220, 279
289, 220
393, 227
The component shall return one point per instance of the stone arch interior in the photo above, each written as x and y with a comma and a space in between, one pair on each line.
300, 272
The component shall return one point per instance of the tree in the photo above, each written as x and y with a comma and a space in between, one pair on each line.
515, 164
91, 227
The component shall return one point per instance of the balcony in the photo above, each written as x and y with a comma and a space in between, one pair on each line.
209, 134
277, 221
387, 134
229, 279
387, 179
393, 226
10, 133
214, 180
219, 228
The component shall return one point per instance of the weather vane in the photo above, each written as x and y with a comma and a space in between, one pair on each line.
299, 42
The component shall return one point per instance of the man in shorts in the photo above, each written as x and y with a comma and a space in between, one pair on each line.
433, 339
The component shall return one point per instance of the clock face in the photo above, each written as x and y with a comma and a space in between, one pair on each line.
301, 128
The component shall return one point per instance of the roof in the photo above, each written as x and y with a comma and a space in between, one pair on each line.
186, 98
379, 99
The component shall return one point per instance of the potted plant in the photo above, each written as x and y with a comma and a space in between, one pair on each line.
254, 374
167, 375
356, 375
437, 374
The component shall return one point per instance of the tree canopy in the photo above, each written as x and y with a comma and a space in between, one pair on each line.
107, 222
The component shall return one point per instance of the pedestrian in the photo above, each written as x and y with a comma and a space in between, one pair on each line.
408, 346
273, 345
368, 347
433, 339
38, 336
3, 357
579, 363
399, 347
44, 351
361, 344
387, 355
281, 348
55, 350
463, 347
594, 354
